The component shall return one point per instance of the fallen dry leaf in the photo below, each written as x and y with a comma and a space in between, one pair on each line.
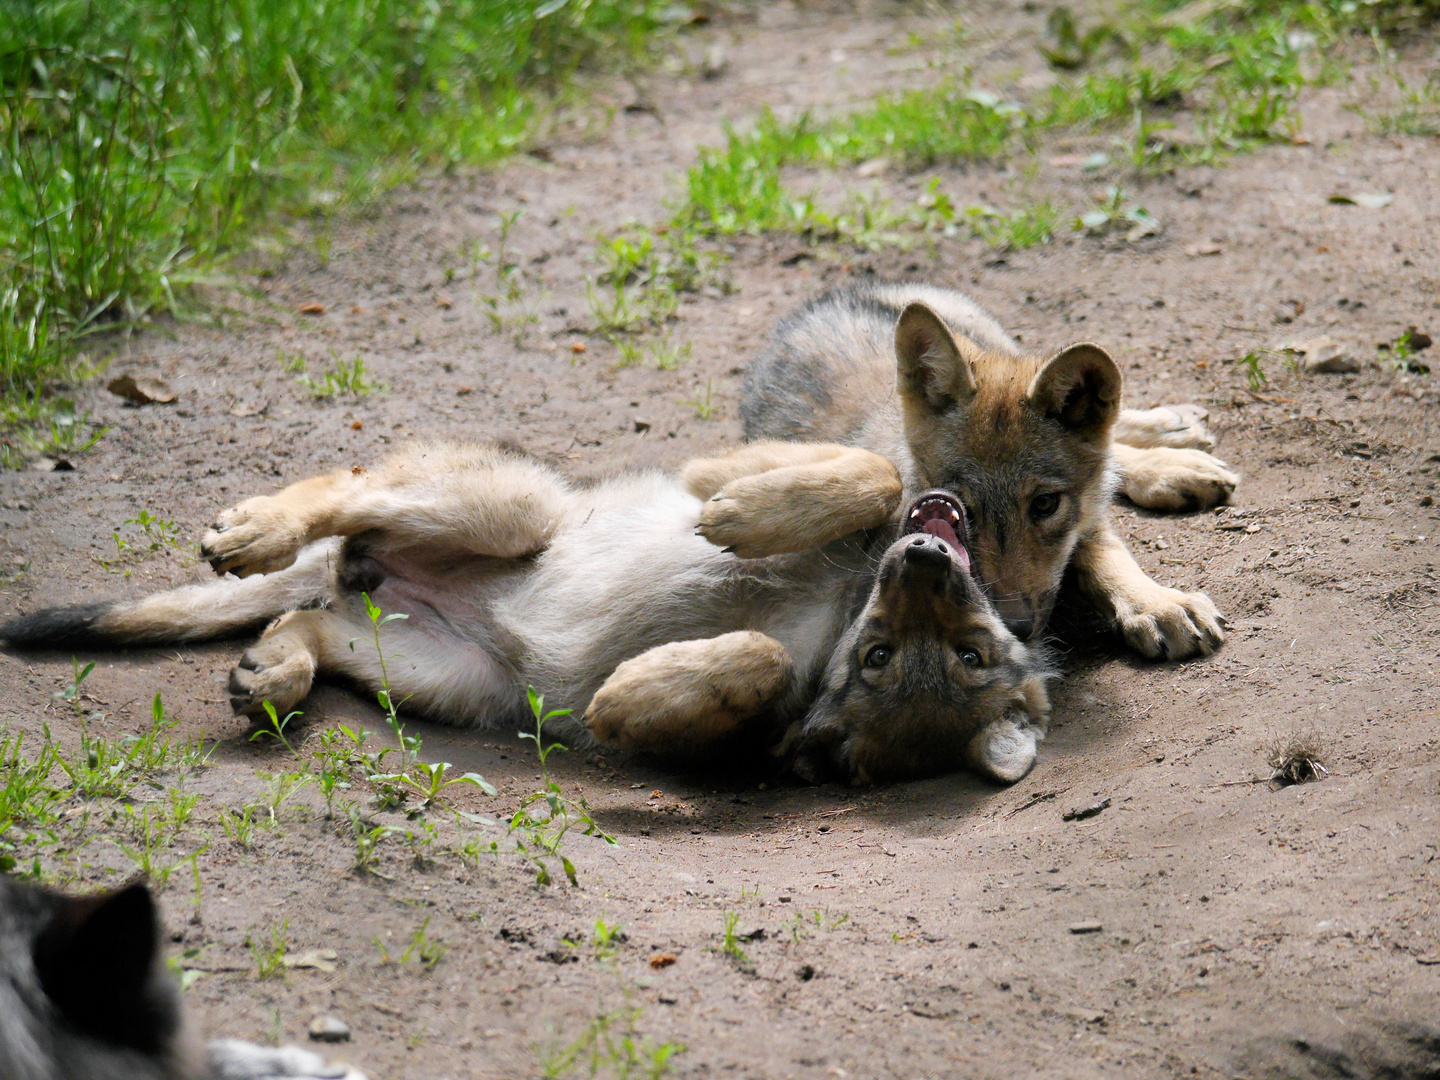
1203, 249
662, 960
357, 310
577, 346
462, 391
141, 389
249, 408
357, 425
444, 301
1370, 200
311, 309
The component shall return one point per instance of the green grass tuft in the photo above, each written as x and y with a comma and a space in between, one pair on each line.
141, 139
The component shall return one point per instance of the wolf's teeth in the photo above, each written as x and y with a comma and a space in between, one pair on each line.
954, 516
915, 513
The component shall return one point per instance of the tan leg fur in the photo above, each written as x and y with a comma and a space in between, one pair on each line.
1179, 426
770, 498
477, 500
1163, 478
683, 695
1157, 622
280, 667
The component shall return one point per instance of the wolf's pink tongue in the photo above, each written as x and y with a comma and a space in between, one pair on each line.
941, 528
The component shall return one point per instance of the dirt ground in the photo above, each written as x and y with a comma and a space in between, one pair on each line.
921, 929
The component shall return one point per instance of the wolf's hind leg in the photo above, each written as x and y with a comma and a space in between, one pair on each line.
772, 498
1164, 479
429, 672
280, 667
1181, 427
681, 696
472, 499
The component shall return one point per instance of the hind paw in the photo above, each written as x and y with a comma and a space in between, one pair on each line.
282, 678
1181, 427
1172, 625
257, 537
1167, 479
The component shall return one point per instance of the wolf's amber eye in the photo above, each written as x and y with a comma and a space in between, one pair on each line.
970, 658
877, 657
1042, 506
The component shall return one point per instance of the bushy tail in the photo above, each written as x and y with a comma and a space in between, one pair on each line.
193, 613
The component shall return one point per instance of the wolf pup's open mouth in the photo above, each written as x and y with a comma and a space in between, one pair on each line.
941, 515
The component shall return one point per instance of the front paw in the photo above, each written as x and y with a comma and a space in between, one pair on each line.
1167, 479
753, 519
1172, 625
257, 537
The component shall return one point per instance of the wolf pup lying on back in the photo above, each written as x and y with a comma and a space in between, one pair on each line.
870, 653
1034, 448
84, 995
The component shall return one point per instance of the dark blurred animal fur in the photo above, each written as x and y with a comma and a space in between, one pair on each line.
84, 995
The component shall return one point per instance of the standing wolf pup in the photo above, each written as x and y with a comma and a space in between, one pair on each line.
1033, 447
873, 653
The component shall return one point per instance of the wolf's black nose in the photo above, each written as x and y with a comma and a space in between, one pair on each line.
927, 552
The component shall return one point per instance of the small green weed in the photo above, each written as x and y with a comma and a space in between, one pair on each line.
342, 378
240, 825
1113, 214
368, 839
607, 940
1022, 228
611, 1046
423, 949
801, 926
149, 829
1404, 351
269, 955
705, 407
274, 728
1251, 363
544, 817
730, 942
1416, 112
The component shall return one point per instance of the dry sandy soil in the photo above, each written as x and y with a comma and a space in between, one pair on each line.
1245, 931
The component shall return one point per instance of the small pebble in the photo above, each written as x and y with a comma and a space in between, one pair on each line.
1089, 927
329, 1029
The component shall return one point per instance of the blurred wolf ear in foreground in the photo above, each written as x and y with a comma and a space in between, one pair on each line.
84, 995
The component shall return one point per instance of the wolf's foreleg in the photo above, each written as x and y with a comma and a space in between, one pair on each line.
1158, 622
1179, 426
1162, 478
683, 695
477, 500
770, 498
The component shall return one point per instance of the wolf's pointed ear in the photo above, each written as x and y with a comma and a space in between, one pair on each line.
932, 368
96, 961
1080, 388
1003, 750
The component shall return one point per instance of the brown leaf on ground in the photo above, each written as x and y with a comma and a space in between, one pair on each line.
141, 389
